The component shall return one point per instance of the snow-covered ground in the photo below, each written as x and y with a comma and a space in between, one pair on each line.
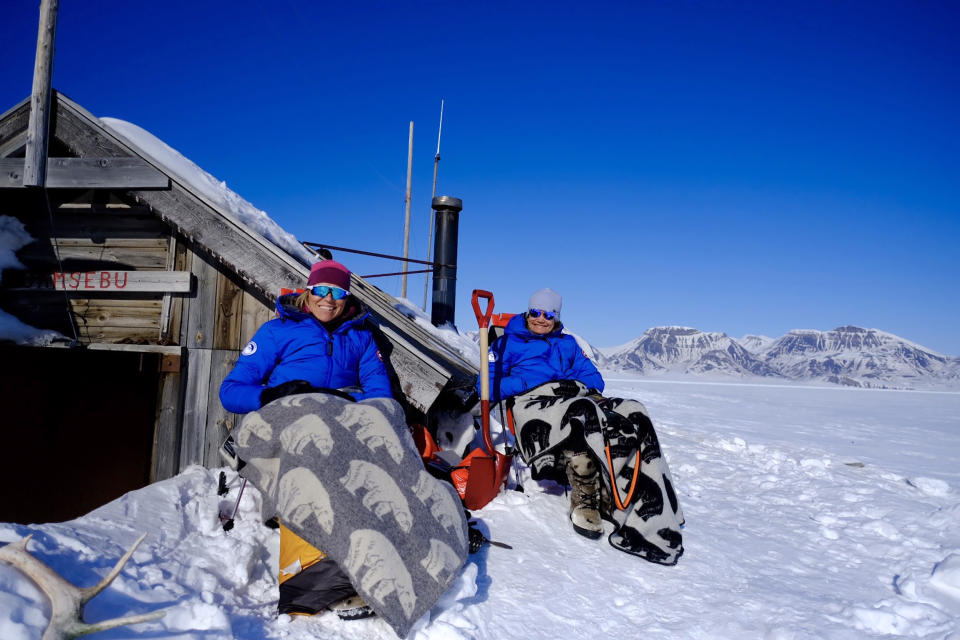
811, 513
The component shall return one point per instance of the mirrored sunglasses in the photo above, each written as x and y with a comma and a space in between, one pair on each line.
322, 290
536, 313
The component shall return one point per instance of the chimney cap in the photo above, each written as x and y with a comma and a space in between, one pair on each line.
447, 202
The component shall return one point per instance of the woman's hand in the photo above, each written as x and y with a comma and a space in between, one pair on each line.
567, 388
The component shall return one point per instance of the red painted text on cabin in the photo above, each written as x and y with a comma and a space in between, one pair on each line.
91, 280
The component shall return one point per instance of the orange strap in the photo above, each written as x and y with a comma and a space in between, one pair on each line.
613, 481
510, 424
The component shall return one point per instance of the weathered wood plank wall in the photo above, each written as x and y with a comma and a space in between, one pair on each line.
217, 321
165, 462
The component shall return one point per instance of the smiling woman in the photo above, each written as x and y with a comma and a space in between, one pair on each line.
320, 340
567, 431
320, 343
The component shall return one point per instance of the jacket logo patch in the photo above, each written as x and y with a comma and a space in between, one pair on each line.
250, 349
492, 357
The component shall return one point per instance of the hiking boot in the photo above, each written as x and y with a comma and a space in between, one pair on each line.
352, 608
584, 478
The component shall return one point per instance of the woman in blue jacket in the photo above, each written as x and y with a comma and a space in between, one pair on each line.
320, 341
565, 426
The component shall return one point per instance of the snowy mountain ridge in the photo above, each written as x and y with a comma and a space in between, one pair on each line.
685, 350
857, 357
848, 355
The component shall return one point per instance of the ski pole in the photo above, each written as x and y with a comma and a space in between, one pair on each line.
228, 523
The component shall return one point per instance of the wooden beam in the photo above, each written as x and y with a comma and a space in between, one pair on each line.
167, 298
94, 225
86, 173
220, 422
14, 121
117, 335
229, 318
38, 131
165, 461
195, 407
255, 313
201, 310
171, 350
12, 144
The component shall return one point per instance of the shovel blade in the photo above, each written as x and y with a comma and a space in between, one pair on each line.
486, 476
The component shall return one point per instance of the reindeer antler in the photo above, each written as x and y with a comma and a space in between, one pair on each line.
67, 600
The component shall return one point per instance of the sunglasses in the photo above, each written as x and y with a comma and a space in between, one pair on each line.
322, 290
536, 313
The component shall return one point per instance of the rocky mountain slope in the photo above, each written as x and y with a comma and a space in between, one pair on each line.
685, 350
857, 357
850, 356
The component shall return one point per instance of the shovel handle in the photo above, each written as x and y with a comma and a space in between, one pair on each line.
483, 317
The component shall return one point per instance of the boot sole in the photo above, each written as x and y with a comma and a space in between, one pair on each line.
587, 533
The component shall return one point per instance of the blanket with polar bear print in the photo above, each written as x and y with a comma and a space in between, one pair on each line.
347, 477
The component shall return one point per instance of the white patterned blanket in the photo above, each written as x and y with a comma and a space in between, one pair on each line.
620, 435
347, 478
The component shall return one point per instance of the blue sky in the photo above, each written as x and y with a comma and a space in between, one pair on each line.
735, 167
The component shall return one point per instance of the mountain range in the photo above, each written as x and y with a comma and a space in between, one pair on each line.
850, 356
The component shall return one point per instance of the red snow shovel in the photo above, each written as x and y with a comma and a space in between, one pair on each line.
484, 470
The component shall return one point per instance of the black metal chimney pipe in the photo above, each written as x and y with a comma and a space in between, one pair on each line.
445, 259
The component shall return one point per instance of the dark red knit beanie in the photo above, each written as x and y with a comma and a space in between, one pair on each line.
330, 272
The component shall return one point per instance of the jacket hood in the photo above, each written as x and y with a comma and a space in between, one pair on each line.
517, 326
353, 313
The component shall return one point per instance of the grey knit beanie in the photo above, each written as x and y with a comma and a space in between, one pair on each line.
547, 300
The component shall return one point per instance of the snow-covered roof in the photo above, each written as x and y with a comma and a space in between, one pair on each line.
216, 191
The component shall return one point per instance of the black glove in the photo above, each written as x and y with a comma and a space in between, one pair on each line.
288, 388
465, 392
340, 393
467, 383
476, 539
566, 388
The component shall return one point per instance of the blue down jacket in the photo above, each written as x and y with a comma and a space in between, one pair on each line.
521, 360
295, 346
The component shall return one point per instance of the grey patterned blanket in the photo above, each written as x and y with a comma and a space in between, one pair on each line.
620, 436
347, 478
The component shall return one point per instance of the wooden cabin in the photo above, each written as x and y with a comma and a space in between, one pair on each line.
155, 287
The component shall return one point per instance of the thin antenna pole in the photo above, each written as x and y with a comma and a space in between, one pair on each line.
406, 219
433, 194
